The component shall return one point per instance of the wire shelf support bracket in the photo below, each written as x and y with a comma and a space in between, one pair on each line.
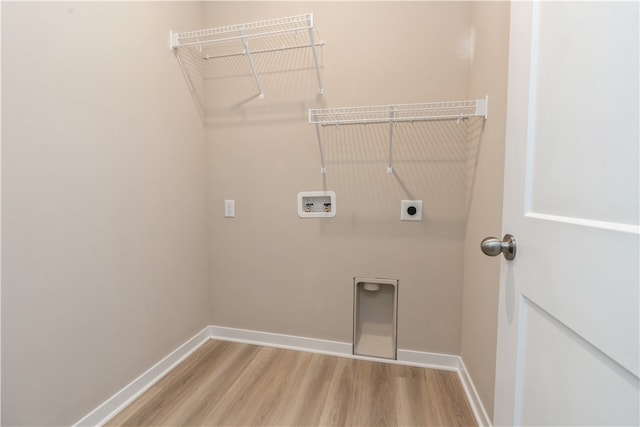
394, 114
247, 52
273, 35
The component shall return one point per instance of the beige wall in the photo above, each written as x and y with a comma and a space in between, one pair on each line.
272, 271
104, 269
481, 274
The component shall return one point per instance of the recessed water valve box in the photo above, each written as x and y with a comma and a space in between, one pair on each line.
411, 210
316, 204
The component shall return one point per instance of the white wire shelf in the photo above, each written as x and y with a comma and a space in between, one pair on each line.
449, 110
246, 31
393, 114
249, 39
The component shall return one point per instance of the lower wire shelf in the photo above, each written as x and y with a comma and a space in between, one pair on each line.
393, 114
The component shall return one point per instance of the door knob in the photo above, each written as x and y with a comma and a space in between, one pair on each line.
492, 246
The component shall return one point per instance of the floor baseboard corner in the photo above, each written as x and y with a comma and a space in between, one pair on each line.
290, 342
108, 409
473, 397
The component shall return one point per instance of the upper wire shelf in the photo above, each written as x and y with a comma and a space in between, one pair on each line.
247, 40
251, 30
393, 114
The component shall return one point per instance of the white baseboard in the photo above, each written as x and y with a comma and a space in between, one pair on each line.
477, 407
133, 390
124, 397
421, 359
290, 342
445, 362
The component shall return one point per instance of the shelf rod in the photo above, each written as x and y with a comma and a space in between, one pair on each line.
253, 68
254, 52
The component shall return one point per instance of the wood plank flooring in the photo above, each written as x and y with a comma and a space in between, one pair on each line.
231, 384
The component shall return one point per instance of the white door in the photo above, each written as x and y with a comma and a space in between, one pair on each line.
568, 328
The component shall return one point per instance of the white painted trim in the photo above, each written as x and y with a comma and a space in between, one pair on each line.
128, 394
290, 342
133, 390
443, 362
482, 418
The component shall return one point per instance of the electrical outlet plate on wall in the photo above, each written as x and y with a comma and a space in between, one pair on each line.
229, 208
411, 210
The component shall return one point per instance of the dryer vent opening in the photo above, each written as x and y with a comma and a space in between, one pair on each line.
375, 305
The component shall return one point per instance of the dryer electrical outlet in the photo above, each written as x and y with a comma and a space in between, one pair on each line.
411, 210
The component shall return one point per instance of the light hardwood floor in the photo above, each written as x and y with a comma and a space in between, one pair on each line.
231, 384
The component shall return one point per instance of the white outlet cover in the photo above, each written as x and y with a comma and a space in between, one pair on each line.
229, 208
411, 210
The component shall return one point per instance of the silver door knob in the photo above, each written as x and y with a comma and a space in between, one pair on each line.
492, 246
